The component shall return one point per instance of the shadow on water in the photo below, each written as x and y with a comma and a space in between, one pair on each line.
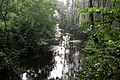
6, 74
33, 66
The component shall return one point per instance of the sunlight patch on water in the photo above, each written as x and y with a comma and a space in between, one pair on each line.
24, 76
60, 51
60, 64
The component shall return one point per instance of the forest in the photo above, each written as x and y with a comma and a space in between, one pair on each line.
88, 37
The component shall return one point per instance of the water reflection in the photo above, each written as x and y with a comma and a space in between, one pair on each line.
37, 66
66, 55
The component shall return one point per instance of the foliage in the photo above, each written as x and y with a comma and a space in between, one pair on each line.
102, 49
25, 28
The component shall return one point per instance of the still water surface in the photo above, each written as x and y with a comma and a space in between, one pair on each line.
66, 57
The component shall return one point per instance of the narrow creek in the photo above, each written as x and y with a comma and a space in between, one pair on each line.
67, 59
66, 56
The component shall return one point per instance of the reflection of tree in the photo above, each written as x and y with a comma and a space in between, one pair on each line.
39, 64
6, 74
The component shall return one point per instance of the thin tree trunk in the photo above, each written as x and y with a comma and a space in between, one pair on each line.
91, 16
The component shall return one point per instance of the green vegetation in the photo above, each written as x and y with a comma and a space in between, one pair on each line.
101, 58
26, 27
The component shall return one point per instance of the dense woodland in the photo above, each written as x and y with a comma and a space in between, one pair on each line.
27, 29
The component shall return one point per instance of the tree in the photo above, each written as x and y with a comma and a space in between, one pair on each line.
26, 26
102, 60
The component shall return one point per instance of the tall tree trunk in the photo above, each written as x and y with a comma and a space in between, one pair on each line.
91, 16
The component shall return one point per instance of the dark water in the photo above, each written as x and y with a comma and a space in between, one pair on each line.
58, 62
35, 65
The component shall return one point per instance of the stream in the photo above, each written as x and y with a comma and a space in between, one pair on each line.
67, 61
66, 54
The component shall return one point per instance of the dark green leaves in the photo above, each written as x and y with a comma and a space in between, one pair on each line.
26, 26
